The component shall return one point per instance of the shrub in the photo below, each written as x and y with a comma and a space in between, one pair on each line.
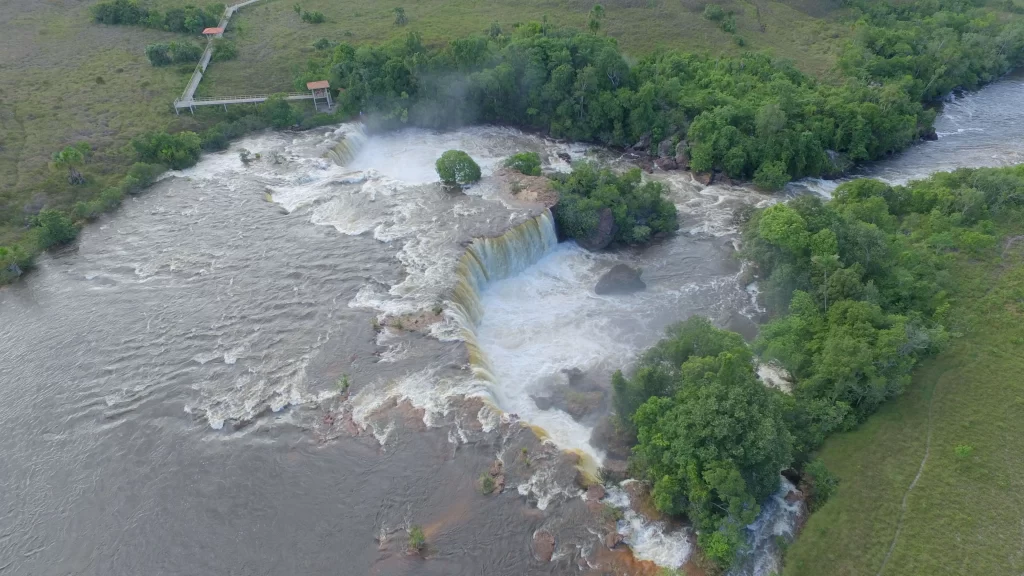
14, 260
771, 176
486, 484
323, 44
400, 18
417, 540
729, 24
525, 163
963, 451
314, 17
224, 50
158, 54
823, 483
456, 167
714, 13
55, 228
177, 151
140, 176
185, 52
278, 112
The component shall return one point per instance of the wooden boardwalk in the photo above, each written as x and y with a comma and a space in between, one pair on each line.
188, 98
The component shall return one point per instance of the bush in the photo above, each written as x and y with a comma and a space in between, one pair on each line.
185, 52
417, 540
314, 17
771, 176
323, 44
823, 483
86, 211
158, 54
714, 13
14, 260
277, 112
224, 50
486, 484
55, 228
140, 176
176, 151
456, 167
639, 208
525, 163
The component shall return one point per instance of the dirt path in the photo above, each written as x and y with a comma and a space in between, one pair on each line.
920, 471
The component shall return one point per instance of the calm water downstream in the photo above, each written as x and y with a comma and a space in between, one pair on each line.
170, 385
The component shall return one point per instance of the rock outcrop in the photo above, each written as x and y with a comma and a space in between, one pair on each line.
621, 279
603, 234
543, 545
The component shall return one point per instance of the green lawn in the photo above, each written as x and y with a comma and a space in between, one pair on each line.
965, 515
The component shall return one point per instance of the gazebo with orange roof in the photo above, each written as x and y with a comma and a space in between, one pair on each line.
209, 32
320, 89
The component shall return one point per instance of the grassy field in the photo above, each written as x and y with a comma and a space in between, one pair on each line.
273, 40
965, 514
64, 78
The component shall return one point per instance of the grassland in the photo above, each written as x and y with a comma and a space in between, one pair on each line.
64, 78
273, 39
965, 514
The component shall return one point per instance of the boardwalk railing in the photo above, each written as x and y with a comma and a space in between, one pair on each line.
188, 97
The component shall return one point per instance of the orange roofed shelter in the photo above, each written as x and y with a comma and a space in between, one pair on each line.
321, 89
212, 32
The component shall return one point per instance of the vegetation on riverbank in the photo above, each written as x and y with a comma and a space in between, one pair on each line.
963, 514
863, 288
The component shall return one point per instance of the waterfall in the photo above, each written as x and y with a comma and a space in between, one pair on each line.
490, 259
346, 149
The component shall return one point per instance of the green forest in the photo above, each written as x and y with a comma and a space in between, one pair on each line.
861, 287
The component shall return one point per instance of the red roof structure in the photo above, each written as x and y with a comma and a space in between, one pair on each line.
318, 85
211, 31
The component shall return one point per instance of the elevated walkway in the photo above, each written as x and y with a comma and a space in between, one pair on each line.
188, 98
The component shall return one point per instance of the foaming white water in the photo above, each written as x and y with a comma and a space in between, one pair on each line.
649, 540
778, 519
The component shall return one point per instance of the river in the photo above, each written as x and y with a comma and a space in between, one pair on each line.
173, 384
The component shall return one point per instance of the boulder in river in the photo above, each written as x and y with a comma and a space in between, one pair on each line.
665, 149
930, 134
682, 155
565, 156
543, 545
643, 144
705, 178
603, 234
615, 470
612, 539
621, 279
666, 164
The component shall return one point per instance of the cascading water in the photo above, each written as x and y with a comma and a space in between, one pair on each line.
488, 260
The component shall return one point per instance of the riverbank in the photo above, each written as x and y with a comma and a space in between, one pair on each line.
930, 484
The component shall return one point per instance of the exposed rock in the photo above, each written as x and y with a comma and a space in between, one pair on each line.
705, 178
666, 164
621, 279
615, 470
496, 468
839, 164
499, 484
930, 134
682, 156
643, 144
528, 189
580, 404
722, 178
543, 402
565, 156
616, 443
612, 540
603, 234
543, 545
665, 149
794, 496
14, 270
595, 493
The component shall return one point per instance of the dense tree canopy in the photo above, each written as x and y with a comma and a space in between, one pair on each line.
750, 116
457, 167
859, 288
639, 209
711, 438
